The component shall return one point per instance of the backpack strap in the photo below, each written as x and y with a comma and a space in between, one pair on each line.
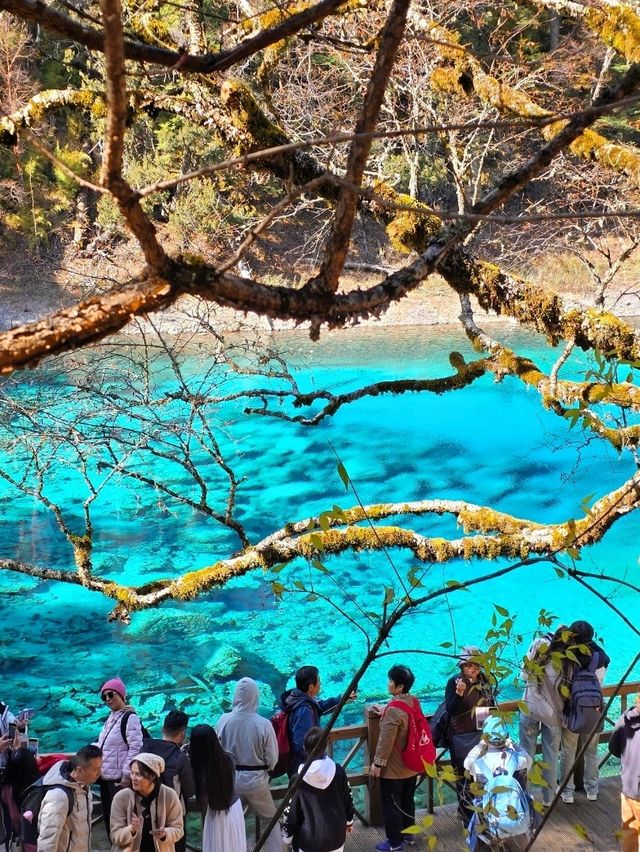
593, 662
123, 725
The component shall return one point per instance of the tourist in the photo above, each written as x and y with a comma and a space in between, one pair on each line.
64, 824
545, 681
148, 816
465, 692
177, 766
397, 781
304, 710
625, 744
120, 740
320, 813
496, 756
582, 634
214, 773
13, 756
250, 740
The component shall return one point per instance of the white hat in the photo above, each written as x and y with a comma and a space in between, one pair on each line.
152, 761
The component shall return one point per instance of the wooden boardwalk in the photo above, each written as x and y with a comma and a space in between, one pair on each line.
600, 820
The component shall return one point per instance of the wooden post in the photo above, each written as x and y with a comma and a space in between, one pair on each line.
372, 803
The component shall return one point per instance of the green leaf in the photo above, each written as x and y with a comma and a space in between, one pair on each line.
558, 571
344, 476
278, 589
412, 829
299, 585
501, 610
446, 645
389, 595
319, 566
581, 831
427, 821
432, 841
316, 541
324, 521
312, 597
278, 568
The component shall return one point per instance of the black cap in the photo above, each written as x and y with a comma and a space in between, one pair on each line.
175, 720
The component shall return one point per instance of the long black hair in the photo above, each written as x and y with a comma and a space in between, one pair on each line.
213, 770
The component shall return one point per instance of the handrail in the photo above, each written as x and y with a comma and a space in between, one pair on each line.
362, 733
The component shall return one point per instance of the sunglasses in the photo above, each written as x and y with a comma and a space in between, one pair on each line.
107, 696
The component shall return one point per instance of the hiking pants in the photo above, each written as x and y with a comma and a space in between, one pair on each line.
253, 789
529, 730
398, 806
570, 742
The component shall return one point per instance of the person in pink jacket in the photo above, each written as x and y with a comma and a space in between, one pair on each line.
120, 740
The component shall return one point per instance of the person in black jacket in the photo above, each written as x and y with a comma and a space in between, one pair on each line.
303, 709
320, 813
464, 694
177, 772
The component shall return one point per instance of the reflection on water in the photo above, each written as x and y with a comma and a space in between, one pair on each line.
491, 444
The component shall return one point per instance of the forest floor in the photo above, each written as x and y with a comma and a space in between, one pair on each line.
32, 287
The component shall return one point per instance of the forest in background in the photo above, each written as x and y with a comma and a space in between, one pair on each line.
490, 68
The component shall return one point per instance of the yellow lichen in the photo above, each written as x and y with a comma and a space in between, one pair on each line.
407, 231
618, 26
249, 117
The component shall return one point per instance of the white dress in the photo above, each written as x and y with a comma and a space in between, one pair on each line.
224, 830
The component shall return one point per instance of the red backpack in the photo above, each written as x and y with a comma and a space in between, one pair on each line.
280, 722
420, 748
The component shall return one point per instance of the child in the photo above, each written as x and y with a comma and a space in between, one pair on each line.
321, 811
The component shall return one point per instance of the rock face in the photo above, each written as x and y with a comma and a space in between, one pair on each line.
222, 664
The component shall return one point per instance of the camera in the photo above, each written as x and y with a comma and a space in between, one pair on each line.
12, 730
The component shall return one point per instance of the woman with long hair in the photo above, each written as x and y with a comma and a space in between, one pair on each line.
547, 672
214, 773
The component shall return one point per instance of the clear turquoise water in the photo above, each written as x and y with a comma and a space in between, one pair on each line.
491, 444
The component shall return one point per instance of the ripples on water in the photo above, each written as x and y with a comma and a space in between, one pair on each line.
490, 443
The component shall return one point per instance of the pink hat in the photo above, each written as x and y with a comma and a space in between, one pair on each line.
116, 685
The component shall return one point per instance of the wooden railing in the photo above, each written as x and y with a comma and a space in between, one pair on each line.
365, 739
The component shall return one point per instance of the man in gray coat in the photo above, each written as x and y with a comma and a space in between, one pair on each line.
61, 828
251, 742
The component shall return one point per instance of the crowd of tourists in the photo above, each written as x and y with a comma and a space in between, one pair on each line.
146, 784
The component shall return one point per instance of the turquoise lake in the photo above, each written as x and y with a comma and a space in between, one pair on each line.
492, 444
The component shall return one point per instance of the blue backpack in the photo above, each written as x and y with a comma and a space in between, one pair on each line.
506, 808
584, 708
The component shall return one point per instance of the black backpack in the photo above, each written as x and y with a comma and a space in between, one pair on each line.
123, 727
30, 805
440, 722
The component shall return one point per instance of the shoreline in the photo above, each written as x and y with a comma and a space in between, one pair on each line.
433, 303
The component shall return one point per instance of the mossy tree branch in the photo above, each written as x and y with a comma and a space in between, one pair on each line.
495, 535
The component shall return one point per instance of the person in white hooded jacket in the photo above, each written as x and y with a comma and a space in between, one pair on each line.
251, 741
320, 813
547, 674
61, 829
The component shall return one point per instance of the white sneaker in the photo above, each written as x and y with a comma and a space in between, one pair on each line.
592, 797
567, 797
